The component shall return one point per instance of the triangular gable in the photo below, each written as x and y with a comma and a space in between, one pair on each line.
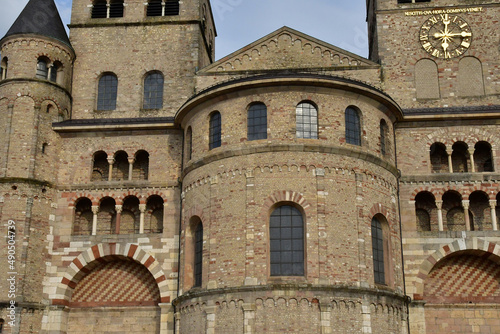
287, 48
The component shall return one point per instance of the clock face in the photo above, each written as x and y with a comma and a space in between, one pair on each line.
445, 36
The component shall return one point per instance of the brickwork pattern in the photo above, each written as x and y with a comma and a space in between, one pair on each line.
463, 279
462, 320
116, 283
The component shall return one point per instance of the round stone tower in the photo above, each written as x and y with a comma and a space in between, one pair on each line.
290, 220
36, 70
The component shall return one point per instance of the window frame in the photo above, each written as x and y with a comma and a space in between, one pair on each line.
198, 256
42, 74
301, 123
378, 251
352, 126
156, 101
103, 104
297, 248
257, 121
384, 129
215, 130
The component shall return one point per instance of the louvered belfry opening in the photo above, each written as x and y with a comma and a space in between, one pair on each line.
172, 7
154, 8
99, 10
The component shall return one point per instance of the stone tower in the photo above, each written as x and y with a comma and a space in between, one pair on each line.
441, 63
35, 90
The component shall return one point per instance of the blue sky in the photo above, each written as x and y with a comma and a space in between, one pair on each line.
240, 22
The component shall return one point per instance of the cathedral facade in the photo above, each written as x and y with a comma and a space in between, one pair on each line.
289, 187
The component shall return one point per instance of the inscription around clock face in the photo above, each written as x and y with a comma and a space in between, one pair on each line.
445, 36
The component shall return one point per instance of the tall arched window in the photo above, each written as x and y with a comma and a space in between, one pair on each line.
427, 80
439, 158
470, 77
306, 121
198, 254
153, 91
215, 130
3, 68
99, 9
189, 143
107, 92
352, 126
83, 219
55, 71
286, 235
100, 167
257, 121
42, 70
459, 157
482, 157
378, 251
383, 137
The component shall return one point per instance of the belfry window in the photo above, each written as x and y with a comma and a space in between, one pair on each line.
107, 92
153, 91
42, 70
286, 236
257, 121
100, 9
163, 8
115, 8
306, 121
352, 126
215, 130
3, 68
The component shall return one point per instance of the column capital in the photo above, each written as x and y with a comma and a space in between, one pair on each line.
95, 209
119, 208
465, 204
439, 204
111, 160
493, 203
131, 160
142, 207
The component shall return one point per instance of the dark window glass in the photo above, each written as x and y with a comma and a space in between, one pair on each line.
307, 121
383, 137
116, 8
352, 127
99, 9
378, 251
198, 255
286, 234
107, 92
257, 122
41, 69
172, 7
155, 8
189, 142
153, 91
215, 130
53, 73
3, 68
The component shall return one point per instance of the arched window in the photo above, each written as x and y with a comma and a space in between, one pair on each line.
1, 325
141, 166
470, 77
100, 167
153, 91
352, 126
107, 92
189, 143
55, 71
3, 68
452, 205
130, 216
99, 9
306, 121
426, 211
383, 137
120, 166
42, 70
427, 80
439, 158
83, 217
198, 254
215, 130
106, 218
286, 236
154, 215
459, 157
116, 8
379, 252
257, 121
482, 157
